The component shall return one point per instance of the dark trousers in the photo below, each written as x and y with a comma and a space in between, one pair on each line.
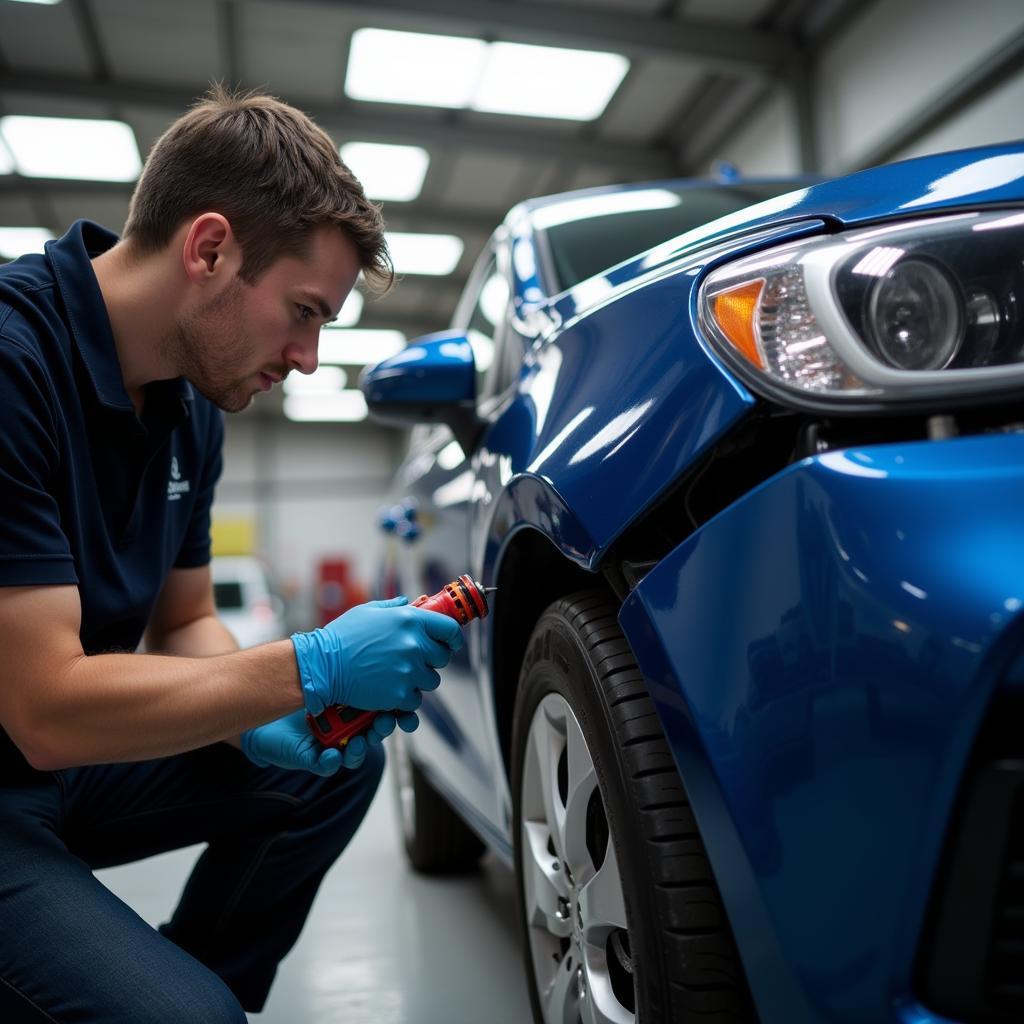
71, 952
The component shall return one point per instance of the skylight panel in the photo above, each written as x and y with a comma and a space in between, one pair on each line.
15, 242
413, 67
360, 347
497, 78
85, 149
324, 380
547, 81
390, 173
344, 407
351, 311
422, 253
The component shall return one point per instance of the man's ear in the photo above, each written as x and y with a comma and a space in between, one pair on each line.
210, 249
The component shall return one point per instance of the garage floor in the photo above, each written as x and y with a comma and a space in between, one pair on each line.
381, 944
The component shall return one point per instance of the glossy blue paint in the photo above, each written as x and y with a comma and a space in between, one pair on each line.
821, 654
986, 176
592, 419
437, 370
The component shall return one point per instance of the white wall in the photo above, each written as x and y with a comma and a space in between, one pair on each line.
890, 63
313, 491
767, 144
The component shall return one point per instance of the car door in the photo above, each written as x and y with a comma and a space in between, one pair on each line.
439, 483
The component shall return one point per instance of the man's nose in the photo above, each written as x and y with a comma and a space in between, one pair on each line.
302, 358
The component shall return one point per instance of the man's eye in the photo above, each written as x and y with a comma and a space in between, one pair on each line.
306, 313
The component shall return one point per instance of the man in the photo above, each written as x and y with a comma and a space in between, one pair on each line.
244, 236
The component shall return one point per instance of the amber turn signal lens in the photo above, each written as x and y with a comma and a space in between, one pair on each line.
735, 310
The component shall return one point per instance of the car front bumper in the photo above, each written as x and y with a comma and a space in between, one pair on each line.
822, 655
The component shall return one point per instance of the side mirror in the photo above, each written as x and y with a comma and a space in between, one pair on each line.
433, 380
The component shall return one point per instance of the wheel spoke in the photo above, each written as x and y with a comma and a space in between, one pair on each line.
559, 999
601, 901
544, 886
599, 1004
546, 744
582, 783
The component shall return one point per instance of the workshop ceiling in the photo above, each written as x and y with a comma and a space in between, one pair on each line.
694, 65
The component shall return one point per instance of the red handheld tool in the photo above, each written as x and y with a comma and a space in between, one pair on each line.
463, 600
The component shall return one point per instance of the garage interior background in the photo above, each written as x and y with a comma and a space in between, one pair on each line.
772, 86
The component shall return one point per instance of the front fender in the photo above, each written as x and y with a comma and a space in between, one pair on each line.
626, 396
821, 654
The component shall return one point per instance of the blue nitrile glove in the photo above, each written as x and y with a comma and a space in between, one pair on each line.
288, 743
377, 656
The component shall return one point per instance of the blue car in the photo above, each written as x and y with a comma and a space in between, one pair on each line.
745, 463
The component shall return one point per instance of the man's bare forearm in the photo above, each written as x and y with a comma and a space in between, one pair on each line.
199, 638
131, 707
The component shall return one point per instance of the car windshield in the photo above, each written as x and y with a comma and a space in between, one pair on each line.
589, 234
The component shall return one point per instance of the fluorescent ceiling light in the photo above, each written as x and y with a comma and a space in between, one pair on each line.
419, 253
546, 81
72, 147
344, 407
412, 67
351, 311
6, 161
325, 380
37, 1
604, 205
15, 242
358, 347
498, 78
387, 172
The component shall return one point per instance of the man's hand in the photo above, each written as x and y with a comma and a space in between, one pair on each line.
377, 656
288, 743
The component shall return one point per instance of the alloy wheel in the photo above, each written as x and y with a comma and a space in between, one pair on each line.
575, 909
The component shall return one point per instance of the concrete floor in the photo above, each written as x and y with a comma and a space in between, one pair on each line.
381, 944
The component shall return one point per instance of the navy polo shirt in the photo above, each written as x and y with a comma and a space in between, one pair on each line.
90, 494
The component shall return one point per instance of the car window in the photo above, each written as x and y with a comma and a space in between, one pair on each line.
486, 326
591, 239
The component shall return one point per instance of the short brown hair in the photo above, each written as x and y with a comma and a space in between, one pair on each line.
274, 174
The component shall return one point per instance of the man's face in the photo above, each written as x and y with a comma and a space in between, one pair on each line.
247, 337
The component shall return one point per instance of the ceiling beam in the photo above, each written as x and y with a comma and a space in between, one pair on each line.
409, 217
347, 122
732, 48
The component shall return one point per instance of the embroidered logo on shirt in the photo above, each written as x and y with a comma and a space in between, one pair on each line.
176, 487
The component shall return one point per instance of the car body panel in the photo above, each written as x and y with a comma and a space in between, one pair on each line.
824, 791
822, 696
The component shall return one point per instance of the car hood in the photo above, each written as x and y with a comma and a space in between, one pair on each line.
988, 175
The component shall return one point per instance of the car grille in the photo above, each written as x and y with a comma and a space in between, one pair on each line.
971, 964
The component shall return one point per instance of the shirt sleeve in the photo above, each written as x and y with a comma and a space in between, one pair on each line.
33, 547
195, 548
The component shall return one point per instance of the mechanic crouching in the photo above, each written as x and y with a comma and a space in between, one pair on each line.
245, 235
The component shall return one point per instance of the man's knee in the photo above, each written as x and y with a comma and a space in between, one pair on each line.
352, 790
373, 767
199, 996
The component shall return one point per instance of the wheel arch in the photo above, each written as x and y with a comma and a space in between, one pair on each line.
532, 574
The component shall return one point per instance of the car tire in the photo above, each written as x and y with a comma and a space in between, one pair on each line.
436, 840
593, 774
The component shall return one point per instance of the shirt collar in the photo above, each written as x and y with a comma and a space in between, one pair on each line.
70, 257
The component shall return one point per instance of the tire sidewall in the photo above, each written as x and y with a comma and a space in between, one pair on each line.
557, 662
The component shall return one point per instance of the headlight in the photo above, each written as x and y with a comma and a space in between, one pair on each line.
905, 312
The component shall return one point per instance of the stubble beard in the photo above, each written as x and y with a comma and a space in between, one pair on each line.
209, 346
